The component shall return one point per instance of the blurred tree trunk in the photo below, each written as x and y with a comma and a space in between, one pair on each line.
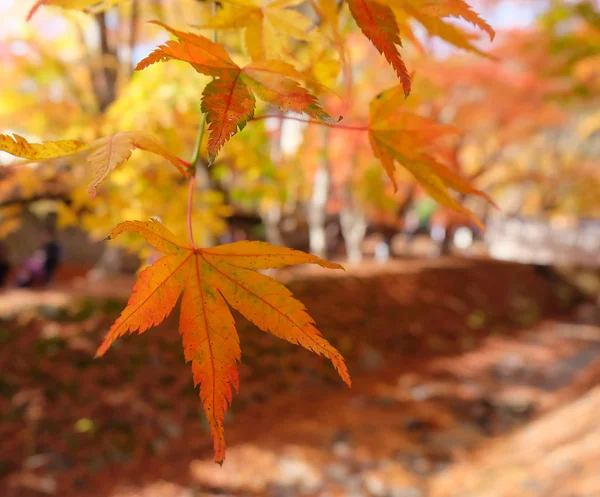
271, 218
271, 215
127, 48
104, 78
354, 228
401, 213
353, 223
318, 202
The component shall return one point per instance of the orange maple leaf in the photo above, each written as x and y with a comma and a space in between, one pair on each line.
449, 8
229, 100
399, 136
208, 278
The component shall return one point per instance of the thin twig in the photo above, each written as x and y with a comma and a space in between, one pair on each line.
190, 209
362, 127
196, 158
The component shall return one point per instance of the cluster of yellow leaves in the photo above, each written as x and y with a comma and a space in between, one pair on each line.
267, 26
90, 6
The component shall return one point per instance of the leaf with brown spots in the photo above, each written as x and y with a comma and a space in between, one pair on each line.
209, 279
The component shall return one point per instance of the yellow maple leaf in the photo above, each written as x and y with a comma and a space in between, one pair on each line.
268, 25
209, 280
90, 6
105, 154
19, 147
110, 152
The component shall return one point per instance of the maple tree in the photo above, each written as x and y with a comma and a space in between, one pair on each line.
210, 277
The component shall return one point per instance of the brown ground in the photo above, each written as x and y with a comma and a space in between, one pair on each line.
471, 378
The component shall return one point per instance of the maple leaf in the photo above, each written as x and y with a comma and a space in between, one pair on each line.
379, 21
447, 8
110, 152
19, 147
229, 100
399, 136
437, 27
105, 154
268, 26
209, 280
90, 6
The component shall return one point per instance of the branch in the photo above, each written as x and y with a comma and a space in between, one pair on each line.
363, 127
105, 82
63, 197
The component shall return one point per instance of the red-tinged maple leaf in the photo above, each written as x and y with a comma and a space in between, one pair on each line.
399, 136
209, 280
378, 23
229, 100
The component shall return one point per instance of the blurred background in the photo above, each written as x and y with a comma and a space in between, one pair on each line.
475, 355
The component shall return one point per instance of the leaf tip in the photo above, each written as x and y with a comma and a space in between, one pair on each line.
333, 265
34, 9
479, 224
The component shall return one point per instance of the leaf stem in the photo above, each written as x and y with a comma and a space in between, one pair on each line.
363, 127
193, 164
190, 209
196, 157
199, 137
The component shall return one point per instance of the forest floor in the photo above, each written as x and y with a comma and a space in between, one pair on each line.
471, 378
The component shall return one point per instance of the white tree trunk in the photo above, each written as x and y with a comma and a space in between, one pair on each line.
354, 228
270, 218
318, 203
